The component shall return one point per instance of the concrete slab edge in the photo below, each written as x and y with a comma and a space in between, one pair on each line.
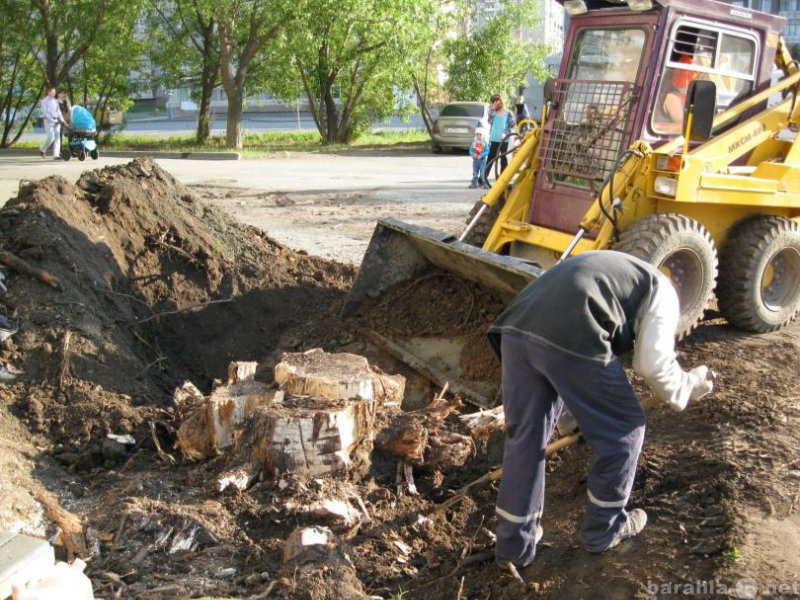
136, 154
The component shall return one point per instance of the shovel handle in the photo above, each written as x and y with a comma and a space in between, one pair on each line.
559, 444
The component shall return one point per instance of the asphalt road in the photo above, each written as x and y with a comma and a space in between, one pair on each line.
418, 177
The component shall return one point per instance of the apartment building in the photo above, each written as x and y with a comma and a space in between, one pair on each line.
790, 9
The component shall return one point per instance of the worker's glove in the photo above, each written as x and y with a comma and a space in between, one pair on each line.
702, 382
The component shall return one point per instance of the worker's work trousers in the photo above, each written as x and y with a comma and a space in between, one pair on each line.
610, 418
52, 136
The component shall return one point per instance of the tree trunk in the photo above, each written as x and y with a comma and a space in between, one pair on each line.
309, 435
424, 111
322, 420
208, 79
207, 82
234, 133
331, 136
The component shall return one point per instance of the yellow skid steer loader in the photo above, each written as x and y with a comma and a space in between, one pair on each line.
709, 193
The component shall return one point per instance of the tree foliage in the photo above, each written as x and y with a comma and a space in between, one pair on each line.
497, 57
184, 44
59, 34
104, 71
245, 29
20, 84
352, 61
84, 46
430, 55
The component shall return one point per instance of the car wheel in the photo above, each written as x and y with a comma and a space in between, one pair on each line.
437, 149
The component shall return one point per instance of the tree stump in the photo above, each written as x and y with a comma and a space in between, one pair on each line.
341, 376
309, 435
211, 424
421, 437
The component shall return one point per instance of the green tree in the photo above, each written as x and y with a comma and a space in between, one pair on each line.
497, 57
429, 56
86, 46
103, 74
20, 84
184, 44
352, 61
245, 28
59, 34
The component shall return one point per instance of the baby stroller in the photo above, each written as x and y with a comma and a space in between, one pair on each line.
82, 136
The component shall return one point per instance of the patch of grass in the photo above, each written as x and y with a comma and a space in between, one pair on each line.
259, 144
732, 555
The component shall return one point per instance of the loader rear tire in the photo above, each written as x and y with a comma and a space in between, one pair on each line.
759, 279
683, 250
477, 236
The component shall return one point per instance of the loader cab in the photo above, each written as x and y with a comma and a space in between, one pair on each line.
619, 66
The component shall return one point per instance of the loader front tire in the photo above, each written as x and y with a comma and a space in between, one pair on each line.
477, 236
759, 278
683, 250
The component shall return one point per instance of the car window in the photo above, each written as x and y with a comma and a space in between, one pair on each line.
462, 110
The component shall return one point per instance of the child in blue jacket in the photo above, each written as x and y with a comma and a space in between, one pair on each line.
478, 150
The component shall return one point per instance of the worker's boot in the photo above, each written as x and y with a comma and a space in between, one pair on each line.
637, 519
522, 574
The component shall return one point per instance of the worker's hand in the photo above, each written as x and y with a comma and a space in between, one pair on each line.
702, 383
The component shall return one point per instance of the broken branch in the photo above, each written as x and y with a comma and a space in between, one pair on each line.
24, 267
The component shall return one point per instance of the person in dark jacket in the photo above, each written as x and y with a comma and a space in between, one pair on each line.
559, 341
522, 114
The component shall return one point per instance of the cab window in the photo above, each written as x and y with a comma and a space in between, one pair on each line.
726, 57
607, 55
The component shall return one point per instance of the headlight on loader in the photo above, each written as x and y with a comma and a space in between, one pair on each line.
666, 186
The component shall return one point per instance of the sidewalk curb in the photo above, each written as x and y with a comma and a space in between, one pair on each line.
136, 154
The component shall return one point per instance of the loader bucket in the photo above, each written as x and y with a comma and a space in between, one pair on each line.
427, 299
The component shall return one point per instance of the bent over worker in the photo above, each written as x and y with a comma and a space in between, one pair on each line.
559, 341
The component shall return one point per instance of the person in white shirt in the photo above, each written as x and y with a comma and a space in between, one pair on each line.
559, 341
52, 119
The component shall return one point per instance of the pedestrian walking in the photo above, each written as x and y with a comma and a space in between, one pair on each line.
52, 119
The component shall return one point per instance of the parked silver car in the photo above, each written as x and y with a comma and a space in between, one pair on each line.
455, 126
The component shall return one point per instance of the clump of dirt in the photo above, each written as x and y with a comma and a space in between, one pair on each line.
156, 284
158, 288
435, 303
478, 359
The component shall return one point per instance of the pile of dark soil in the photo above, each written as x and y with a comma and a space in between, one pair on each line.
157, 288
